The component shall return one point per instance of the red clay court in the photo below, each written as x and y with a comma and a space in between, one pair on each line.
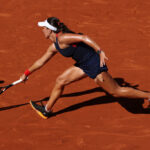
85, 118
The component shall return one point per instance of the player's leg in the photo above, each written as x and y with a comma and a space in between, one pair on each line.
111, 86
70, 75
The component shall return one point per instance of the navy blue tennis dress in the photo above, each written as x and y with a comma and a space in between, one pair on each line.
85, 56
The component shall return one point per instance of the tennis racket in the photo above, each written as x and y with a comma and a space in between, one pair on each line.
4, 88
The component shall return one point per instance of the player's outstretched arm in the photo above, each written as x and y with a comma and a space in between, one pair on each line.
40, 62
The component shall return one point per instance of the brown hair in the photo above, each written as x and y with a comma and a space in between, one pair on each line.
61, 27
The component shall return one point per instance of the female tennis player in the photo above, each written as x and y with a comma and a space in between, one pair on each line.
90, 62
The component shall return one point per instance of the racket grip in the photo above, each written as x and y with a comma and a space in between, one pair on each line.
16, 82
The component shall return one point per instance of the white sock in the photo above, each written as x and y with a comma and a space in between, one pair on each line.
46, 109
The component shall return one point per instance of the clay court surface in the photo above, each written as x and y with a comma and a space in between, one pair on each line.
85, 118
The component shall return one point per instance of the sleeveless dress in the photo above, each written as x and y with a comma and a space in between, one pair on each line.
85, 56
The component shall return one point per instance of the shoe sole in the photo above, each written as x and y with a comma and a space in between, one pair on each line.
38, 112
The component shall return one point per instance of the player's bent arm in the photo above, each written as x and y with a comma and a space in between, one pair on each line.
75, 38
51, 51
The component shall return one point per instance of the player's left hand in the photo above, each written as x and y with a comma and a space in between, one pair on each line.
102, 59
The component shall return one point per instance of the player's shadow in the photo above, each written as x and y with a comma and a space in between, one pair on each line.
131, 105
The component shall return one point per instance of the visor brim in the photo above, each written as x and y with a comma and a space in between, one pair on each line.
42, 24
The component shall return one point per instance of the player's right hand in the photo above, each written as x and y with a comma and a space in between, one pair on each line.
24, 78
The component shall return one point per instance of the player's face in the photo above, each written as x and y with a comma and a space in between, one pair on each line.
47, 32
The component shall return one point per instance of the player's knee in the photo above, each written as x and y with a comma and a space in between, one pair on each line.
118, 92
60, 81
99, 79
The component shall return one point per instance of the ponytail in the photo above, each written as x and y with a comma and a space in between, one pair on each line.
63, 28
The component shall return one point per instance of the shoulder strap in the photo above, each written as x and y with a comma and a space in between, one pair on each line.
56, 43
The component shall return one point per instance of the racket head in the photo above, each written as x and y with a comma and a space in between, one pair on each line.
4, 88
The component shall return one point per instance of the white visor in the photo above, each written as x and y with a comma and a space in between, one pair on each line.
46, 24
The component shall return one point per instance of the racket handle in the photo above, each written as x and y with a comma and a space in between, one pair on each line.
16, 82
